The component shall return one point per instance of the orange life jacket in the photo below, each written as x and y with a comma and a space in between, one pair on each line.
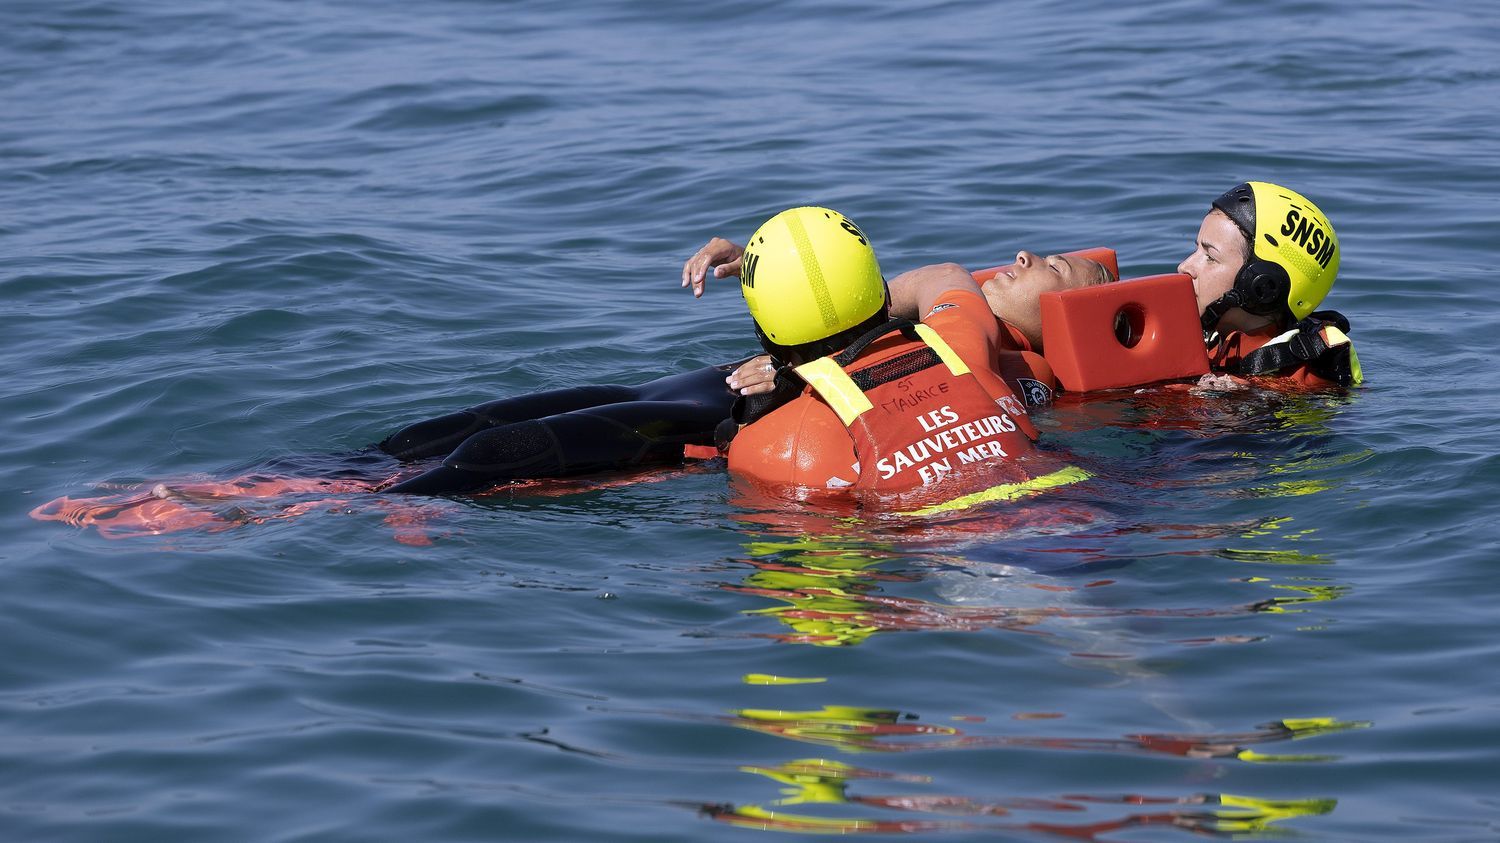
1316, 351
919, 415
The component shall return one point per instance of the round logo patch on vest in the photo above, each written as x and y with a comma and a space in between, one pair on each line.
1034, 392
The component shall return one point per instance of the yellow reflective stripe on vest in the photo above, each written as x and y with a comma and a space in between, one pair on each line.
1008, 491
950, 358
1333, 336
835, 386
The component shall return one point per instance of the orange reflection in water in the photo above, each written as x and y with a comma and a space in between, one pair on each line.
212, 506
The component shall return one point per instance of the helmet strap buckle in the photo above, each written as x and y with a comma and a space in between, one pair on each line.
1214, 312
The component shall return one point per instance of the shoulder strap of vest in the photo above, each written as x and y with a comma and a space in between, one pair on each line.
1332, 357
845, 392
905, 326
786, 386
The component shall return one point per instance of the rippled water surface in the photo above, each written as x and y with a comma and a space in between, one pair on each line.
241, 239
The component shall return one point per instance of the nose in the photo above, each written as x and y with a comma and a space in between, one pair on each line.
1024, 259
1185, 266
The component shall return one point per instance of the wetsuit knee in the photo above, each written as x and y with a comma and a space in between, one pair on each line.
523, 449
443, 480
490, 457
433, 437
563, 446
558, 446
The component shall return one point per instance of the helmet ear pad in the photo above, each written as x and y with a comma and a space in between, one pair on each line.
1264, 288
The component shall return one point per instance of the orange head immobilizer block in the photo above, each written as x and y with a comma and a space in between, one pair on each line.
1124, 334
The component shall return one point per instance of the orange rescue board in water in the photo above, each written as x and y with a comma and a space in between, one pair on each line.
1124, 334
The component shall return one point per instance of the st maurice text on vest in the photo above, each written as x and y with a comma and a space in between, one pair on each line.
913, 397
976, 438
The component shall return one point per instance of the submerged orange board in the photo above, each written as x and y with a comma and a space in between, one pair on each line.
1124, 334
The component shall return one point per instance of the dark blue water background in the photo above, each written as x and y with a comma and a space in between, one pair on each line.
235, 233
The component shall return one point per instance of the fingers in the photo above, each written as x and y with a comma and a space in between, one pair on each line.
755, 376
723, 255
724, 270
694, 267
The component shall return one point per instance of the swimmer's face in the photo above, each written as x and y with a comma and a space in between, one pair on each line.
1216, 259
1015, 295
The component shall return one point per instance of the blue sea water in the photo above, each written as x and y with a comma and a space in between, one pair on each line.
242, 236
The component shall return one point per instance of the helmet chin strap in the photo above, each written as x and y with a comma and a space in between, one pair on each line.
1214, 312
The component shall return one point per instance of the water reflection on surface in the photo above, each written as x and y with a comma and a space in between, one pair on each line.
820, 792
841, 591
1109, 573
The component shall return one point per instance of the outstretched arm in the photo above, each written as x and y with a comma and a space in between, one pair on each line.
756, 375
914, 293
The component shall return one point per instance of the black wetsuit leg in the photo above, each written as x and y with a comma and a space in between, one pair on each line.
564, 433
434, 437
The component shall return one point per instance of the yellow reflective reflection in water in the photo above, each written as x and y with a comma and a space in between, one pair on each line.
859, 729
1274, 557
768, 679
822, 581
1212, 814
850, 728
1307, 594
812, 785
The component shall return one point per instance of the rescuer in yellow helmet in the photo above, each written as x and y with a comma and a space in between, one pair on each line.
812, 283
875, 404
1264, 260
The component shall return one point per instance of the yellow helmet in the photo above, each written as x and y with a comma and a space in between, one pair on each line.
1295, 253
810, 274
